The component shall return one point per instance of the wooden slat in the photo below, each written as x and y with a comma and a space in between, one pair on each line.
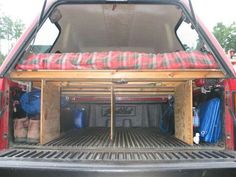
163, 83
117, 93
165, 89
123, 99
50, 112
183, 112
110, 75
143, 84
36, 84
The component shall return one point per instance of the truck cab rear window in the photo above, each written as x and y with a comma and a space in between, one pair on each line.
188, 37
45, 38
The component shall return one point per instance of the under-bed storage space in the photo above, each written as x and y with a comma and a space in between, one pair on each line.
111, 85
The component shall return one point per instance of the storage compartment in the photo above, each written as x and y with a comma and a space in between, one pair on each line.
154, 124
134, 115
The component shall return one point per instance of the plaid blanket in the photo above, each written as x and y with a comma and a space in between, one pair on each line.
118, 60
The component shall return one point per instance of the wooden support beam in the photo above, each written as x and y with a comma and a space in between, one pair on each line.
113, 75
36, 84
183, 112
70, 84
50, 112
112, 114
129, 89
117, 93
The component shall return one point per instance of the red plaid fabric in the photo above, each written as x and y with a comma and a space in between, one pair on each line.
118, 60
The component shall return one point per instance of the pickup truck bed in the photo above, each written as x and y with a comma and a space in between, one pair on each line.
128, 145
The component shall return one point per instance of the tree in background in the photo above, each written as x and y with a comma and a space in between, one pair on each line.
18, 28
226, 35
7, 27
10, 31
2, 57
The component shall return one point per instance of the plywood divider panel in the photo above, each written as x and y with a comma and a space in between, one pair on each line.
183, 112
50, 112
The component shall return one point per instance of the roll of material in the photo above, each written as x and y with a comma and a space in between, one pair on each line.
30, 102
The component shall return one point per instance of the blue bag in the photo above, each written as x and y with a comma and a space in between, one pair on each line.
210, 120
79, 118
30, 102
64, 101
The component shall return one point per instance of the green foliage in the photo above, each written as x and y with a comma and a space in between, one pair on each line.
7, 27
17, 29
10, 29
2, 57
226, 35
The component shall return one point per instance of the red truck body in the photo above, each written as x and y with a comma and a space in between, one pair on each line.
125, 109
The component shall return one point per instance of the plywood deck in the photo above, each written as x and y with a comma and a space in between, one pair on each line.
113, 75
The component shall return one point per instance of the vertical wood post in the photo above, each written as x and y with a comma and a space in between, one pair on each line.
183, 112
112, 113
50, 112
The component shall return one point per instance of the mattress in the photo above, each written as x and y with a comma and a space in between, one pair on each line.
118, 60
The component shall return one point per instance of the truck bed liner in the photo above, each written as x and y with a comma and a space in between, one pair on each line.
123, 138
130, 144
96, 155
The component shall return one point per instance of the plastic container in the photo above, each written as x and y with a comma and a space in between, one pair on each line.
79, 118
196, 119
196, 138
211, 121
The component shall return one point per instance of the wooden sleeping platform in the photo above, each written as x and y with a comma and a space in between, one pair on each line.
112, 83
110, 75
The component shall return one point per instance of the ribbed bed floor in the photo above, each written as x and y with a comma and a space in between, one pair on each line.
129, 144
123, 138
